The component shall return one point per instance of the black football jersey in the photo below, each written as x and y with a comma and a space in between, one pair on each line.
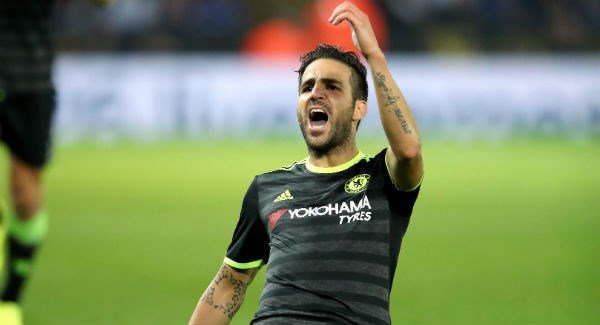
331, 239
26, 51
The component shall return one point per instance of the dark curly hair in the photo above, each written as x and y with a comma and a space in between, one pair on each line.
358, 79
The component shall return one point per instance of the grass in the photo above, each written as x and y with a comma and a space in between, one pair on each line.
502, 233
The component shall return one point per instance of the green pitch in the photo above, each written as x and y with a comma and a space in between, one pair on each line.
501, 234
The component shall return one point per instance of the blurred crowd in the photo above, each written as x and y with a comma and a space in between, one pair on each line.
293, 25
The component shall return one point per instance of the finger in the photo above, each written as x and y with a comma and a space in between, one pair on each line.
346, 6
339, 9
339, 17
349, 16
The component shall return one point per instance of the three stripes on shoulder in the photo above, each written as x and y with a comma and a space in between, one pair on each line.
286, 195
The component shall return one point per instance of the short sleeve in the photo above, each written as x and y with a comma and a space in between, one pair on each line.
401, 201
249, 246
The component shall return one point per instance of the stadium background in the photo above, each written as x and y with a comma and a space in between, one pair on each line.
168, 108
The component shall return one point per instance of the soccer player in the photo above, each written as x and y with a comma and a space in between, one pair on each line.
27, 98
27, 104
330, 226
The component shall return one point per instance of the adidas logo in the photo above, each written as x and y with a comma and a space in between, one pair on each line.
284, 196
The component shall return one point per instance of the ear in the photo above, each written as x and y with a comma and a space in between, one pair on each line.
360, 110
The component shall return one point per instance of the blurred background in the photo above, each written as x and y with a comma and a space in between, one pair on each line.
168, 108
472, 69
408, 26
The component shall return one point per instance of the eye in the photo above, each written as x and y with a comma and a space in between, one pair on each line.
332, 87
306, 88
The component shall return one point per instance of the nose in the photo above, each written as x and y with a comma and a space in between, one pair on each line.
317, 92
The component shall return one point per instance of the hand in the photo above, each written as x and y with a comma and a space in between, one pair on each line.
362, 33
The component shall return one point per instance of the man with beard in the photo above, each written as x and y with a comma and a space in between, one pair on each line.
330, 226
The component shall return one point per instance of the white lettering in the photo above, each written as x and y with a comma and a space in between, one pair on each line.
344, 207
321, 211
333, 209
366, 203
355, 207
298, 213
292, 213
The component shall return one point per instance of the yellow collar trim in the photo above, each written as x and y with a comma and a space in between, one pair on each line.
328, 170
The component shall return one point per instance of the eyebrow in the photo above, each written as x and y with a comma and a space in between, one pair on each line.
327, 81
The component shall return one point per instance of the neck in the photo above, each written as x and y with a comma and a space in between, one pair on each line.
333, 157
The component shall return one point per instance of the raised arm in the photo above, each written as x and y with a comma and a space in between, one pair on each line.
404, 153
223, 297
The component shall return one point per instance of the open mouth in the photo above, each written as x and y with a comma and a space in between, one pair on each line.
318, 118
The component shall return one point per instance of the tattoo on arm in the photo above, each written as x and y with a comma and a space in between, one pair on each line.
392, 101
230, 307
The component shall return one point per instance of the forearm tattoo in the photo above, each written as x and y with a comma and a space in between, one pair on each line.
392, 101
230, 307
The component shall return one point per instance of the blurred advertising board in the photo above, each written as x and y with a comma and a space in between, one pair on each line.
105, 97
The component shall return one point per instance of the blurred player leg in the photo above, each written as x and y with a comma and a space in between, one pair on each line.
27, 226
25, 120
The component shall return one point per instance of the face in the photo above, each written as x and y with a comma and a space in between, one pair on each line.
326, 108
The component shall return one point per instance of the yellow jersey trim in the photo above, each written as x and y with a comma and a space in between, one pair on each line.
290, 166
387, 166
328, 170
243, 266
